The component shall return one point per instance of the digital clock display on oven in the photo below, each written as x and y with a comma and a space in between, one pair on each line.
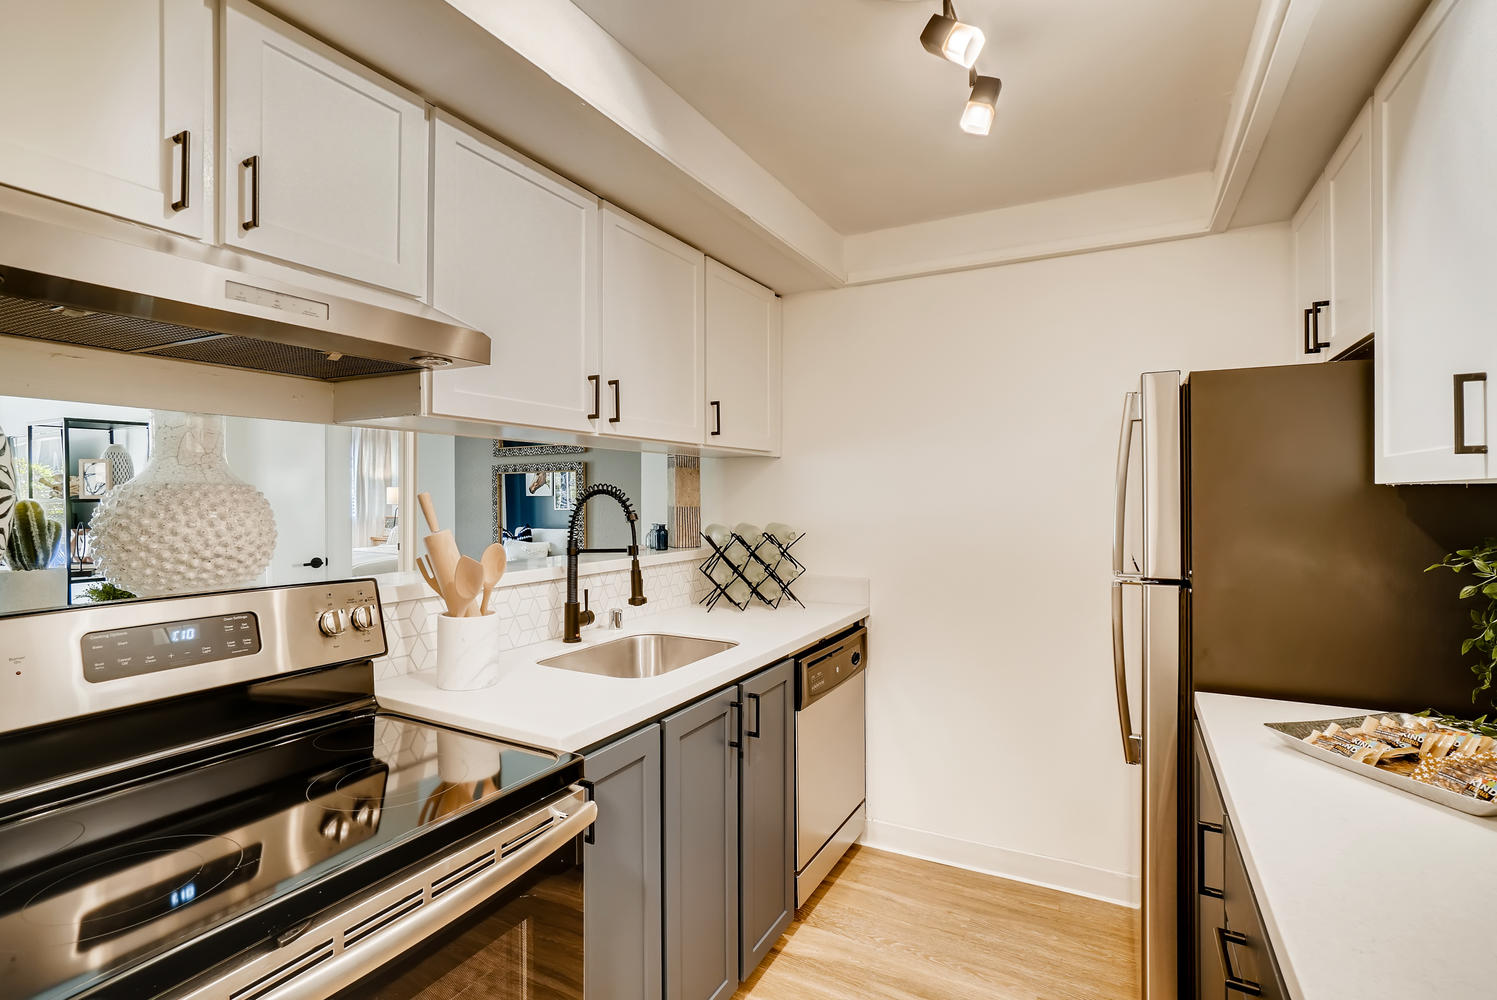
144, 649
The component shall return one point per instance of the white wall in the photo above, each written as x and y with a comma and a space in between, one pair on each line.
953, 438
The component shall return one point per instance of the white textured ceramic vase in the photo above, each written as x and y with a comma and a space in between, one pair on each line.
185, 523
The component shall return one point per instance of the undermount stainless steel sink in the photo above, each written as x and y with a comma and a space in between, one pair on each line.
647, 655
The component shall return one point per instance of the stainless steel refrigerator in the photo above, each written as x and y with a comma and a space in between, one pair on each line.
1254, 555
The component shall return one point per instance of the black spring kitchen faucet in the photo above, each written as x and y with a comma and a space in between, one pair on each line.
575, 616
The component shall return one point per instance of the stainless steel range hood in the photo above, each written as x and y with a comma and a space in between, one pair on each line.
73, 276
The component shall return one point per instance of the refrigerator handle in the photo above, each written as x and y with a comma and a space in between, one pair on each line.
1120, 514
1133, 747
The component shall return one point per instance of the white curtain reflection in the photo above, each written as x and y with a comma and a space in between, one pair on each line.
376, 461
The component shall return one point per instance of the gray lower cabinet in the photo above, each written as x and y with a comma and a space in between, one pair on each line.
700, 799
1232, 955
766, 847
621, 865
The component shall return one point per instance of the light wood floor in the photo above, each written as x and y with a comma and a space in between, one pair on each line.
888, 927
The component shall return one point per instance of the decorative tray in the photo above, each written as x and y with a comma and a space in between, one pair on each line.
1294, 734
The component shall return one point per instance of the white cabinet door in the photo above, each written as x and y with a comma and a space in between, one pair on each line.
651, 342
325, 162
743, 362
1348, 190
1436, 142
514, 254
106, 103
1312, 285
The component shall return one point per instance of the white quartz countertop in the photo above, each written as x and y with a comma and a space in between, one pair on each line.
567, 710
1366, 890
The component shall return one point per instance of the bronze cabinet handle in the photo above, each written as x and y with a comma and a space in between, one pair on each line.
1313, 344
252, 164
1461, 447
754, 732
1225, 937
184, 139
1203, 828
616, 416
1315, 340
597, 381
717, 409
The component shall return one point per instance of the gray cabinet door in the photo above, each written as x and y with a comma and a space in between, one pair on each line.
621, 868
701, 849
1209, 851
766, 846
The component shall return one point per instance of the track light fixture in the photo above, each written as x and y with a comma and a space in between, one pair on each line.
949, 38
977, 116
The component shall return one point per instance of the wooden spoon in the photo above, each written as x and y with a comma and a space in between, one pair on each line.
444, 555
494, 560
442, 548
466, 585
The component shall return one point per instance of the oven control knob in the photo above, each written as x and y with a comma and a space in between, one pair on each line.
364, 617
330, 623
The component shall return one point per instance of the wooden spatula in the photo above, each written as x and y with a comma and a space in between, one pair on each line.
466, 585
494, 560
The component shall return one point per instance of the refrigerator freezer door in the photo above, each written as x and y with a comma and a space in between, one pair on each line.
1163, 528
1162, 699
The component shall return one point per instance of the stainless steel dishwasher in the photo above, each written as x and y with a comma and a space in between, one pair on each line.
830, 708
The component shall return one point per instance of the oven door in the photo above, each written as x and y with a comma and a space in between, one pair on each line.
523, 944
499, 916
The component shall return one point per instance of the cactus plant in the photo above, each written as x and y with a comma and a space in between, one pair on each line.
33, 538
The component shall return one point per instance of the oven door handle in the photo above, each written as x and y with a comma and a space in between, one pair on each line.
339, 950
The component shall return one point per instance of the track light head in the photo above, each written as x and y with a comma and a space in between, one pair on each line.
977, 116
951, 39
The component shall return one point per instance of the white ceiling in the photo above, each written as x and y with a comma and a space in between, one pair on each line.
838, 100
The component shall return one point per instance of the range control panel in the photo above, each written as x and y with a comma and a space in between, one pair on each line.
296, 628
144, 649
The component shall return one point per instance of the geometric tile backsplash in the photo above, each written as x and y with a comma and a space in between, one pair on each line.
531, 612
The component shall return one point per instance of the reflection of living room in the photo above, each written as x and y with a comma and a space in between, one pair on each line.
521, 494
66, 459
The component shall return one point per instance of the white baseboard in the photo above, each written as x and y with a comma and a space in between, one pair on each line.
1036, 869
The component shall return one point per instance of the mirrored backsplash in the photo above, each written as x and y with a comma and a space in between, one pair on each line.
525, 494
102, 502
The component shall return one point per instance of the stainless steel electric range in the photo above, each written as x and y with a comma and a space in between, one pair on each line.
200, 797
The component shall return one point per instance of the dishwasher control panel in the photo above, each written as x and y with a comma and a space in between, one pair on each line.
821, 669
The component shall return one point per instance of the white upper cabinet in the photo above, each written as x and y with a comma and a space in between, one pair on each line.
1333, 250
325, 162
514, 255
743, 362
1348, 195
1312, 284
110, 105
651, 342
1436, 144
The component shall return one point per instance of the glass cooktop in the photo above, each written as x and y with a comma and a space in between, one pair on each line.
108, 883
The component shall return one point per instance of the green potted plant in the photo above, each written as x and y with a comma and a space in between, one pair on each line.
1481, 560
